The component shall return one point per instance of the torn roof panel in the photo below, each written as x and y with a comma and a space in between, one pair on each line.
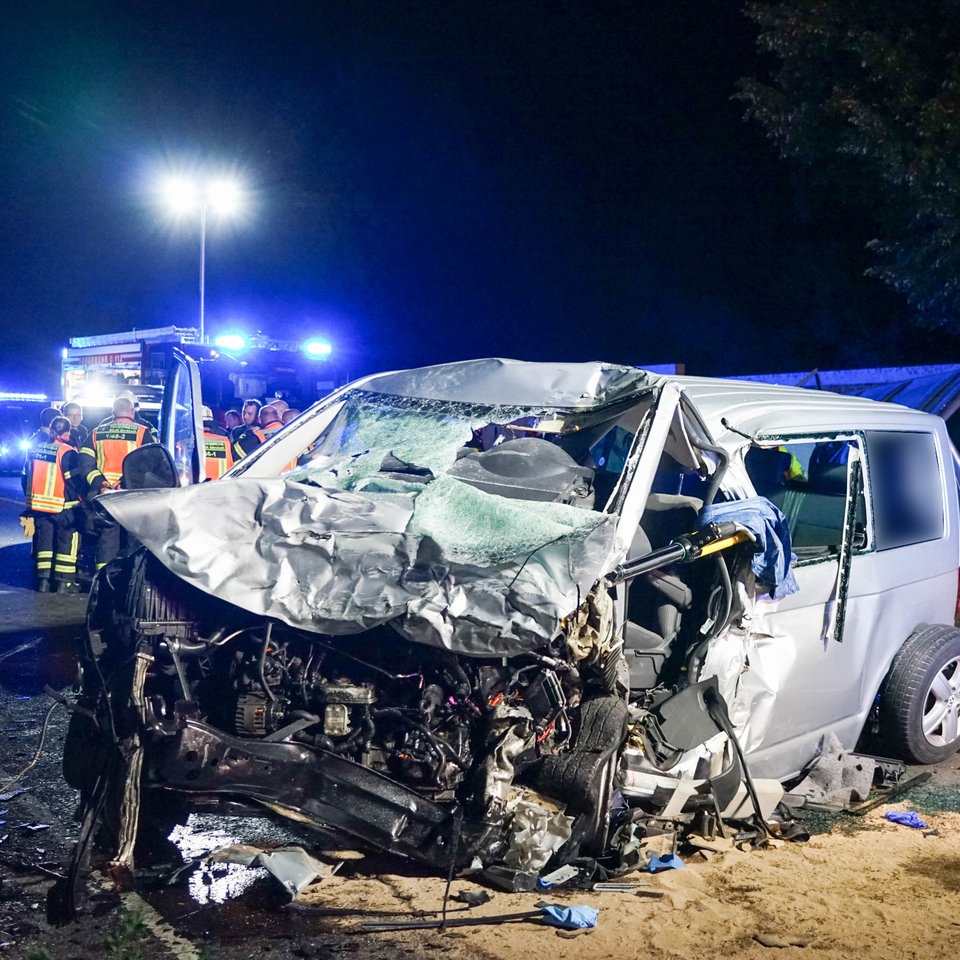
572, 386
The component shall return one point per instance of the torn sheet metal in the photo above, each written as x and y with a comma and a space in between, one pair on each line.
293, 867
748, 687
372, 528
569, 385
335, 562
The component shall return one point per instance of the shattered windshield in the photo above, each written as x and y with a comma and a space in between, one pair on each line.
424, 438
489, 483
425, 434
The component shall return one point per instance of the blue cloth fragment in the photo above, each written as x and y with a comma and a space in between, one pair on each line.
771, 563
669, 861
910, 818
570, 918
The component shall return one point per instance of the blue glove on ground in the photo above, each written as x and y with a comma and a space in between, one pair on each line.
910, 818
669, 861
570, 918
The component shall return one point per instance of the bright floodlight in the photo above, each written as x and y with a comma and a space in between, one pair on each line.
317, 348
224, 196
221, 197
181, 194
231, 341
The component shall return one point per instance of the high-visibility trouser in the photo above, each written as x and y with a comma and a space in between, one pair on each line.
44, 535
108, 541
66, 546
56, 542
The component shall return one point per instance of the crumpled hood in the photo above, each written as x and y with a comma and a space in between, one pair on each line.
472, 572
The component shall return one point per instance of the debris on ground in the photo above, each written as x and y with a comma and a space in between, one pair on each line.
293, 867
473, 898
838, 778
669, 861
577, 917
907, 818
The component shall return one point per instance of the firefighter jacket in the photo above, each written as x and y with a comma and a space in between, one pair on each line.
248, 441
78, 436
218, 449
52, 484
39, 438
103, 454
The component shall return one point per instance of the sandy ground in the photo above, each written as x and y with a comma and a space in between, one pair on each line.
878, 890
868, 889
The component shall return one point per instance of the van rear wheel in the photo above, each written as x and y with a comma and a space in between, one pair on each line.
920, 698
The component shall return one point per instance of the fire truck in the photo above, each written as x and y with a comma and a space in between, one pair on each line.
96, 368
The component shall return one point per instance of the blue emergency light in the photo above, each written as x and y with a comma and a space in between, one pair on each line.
231, 341
317, 348
39, 397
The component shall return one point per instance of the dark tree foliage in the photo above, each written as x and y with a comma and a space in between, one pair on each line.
867, 93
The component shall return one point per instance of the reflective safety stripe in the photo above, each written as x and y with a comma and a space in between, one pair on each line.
238, 450
110, 443
67, 562
219, 455
45, 490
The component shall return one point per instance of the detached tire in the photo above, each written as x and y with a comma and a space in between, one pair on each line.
920, 698
584, 777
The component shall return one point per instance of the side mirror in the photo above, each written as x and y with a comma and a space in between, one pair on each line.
149, 467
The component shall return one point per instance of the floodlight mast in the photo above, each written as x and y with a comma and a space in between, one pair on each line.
183, 196
203, 267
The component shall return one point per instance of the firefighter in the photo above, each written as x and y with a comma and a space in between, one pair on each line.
233, 421
40, 436
101, 460
251, 413
78, 432
53, 501
250, 436
270, 421
217, 446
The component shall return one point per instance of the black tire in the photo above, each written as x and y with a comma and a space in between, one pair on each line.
920, 697
584, 777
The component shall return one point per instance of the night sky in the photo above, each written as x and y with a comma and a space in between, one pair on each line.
428, 181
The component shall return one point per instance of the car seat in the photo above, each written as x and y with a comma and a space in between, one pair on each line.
657, 600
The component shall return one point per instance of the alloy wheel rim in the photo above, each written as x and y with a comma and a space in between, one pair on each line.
941, 710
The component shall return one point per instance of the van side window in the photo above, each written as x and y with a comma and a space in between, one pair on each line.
808, 482
905, 480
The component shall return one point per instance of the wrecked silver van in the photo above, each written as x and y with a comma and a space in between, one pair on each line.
511, 613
